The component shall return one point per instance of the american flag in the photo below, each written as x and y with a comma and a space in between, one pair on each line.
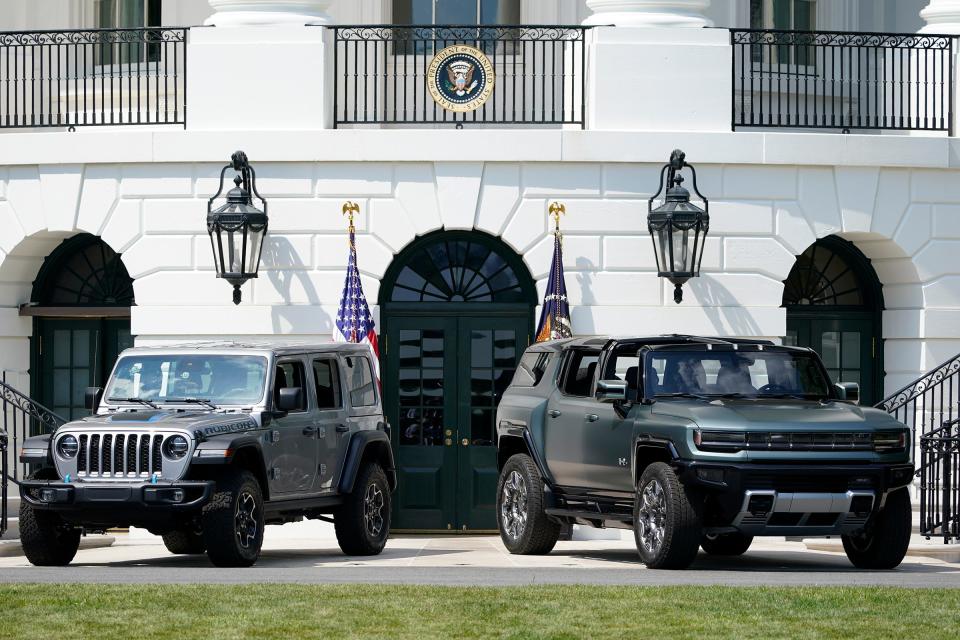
354, 322
555, 315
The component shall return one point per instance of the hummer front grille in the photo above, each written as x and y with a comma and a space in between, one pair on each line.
119, 455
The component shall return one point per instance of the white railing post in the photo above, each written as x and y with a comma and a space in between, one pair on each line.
649, 13
234, 13
943, 17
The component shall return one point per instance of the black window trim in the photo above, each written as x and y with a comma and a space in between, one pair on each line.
336, 382
565, 366
362, 408
306, 388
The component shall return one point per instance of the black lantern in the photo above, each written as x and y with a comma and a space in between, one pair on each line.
678, 227
237, 228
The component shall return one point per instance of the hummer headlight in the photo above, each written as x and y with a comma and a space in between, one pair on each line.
175, 447
68, 446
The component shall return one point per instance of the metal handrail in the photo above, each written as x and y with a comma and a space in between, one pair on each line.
939, 474
23, 417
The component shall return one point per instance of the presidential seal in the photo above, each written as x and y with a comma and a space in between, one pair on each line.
460, 78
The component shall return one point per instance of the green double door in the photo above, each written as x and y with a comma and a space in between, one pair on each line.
848, 345
444, 376
73, 354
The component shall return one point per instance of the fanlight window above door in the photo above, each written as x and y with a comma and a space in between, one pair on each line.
823, 276
457, 271
84, 271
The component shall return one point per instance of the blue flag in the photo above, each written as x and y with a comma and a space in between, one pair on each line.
555, 315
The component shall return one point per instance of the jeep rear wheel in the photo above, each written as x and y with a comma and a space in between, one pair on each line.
46, 539
884, 542
184, 542
726, 544
362, 522
524, 526
233, 520
666, 519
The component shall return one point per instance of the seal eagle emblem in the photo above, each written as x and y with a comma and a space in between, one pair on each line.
460, 78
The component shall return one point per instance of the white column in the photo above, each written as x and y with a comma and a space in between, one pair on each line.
234, 13
649, 13
941, 16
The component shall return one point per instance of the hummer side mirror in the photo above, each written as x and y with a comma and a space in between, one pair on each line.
291, 399
849, 392
612, 391
91, 398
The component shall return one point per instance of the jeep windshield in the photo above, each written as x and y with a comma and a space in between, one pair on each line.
744, 373
203, 380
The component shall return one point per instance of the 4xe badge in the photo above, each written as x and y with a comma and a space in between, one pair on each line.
460, 78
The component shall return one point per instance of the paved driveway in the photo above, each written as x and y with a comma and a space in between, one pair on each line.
308, 553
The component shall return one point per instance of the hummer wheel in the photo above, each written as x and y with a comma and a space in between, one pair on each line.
362, 522
184, 542
233, 520
666, 519
884, 542
524, 526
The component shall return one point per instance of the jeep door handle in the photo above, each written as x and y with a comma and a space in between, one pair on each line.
591, 417
553, 413
342, 428
310, 431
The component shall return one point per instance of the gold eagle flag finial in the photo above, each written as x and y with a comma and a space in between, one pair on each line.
350, 209
556, 210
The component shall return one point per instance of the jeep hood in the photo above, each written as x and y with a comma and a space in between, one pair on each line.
189, 420
776, 415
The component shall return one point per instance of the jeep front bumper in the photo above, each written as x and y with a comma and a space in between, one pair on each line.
116, 503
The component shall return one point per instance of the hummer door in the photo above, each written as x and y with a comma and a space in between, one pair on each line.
566, 423
292, 457
608, 441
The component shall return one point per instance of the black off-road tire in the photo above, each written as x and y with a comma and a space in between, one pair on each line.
362, 522
726, 544
663, 505
46, 539
233, 520
885, 541
524, 526
184, 542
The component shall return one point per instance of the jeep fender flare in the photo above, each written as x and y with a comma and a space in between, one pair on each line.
36, 442
244, 449
367, 445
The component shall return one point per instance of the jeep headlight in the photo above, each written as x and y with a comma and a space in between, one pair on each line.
68, 447
175, 447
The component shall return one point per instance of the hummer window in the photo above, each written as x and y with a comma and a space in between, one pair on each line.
742, 373
531, 369
363, 391
327, 379
578, 376
220, 380
625, 365
290, 375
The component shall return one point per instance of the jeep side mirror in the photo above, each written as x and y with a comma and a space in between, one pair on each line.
91, 398
849, 392
612, 390
291, 399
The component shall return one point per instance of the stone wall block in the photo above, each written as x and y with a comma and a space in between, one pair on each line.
731, 289
123, 226
903, 296
279, 179
60, 191
944, 292
391, 224
558, 180
893, 198
289, 252
858, 194
499, 196
458, 188
632, 180
915, 230
175, 216
937, 258
941, 323
635, 252
25, 196
97, 197
528, 225
150, 254
159, 180
818, 200
758, 183
12, 231
605, 216
181, 288
741, 217
895, 271
416, 190
614, 289
3, 183
946, 221
758, 255
934, 186
354, 180
247, 319
305, 215
580, 253
899, 324
759, 322
792, 227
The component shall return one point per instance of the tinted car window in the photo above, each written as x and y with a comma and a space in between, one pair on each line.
327, 379
531, 369
579, 372
363, 392
221, 379
290, 375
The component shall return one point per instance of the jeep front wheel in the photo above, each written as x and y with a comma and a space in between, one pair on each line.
884, 542
666, 519
362, 522
524, 526
46, 539
233, 521
184, 542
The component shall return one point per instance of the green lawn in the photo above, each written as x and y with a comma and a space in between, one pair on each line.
293, 611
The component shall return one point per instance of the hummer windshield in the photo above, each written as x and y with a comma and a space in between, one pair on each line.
696, 372
205, 380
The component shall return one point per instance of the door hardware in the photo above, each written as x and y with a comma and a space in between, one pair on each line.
592, 417
448, 442
553, 413
275, 436
309, 431
465, 442
342, 428
448, 432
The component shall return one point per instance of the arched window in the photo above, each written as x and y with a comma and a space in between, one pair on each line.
83, 272
826, 274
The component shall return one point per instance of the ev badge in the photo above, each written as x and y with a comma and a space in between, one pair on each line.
622, 462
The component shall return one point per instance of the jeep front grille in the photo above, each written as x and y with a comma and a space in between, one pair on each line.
119, 455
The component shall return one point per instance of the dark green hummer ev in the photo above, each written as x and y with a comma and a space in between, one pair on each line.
697, 442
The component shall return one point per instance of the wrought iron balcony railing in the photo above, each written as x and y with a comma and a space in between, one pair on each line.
842, 81
382, 75
93, 77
